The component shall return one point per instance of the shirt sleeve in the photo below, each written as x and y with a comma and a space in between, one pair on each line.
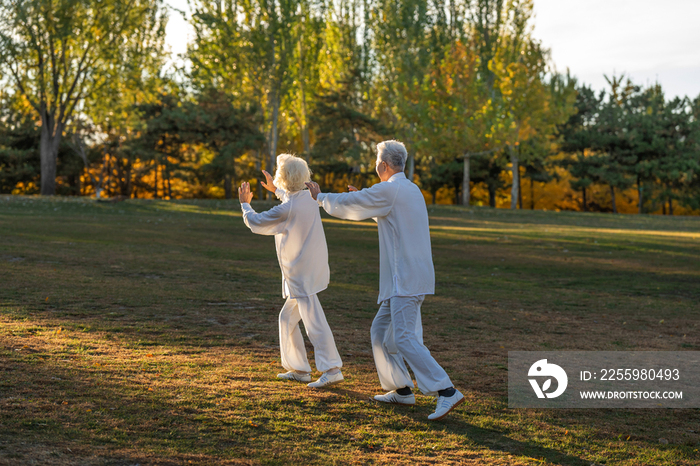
270, 222
281, 194
372, 202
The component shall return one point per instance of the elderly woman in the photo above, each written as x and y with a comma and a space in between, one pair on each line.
303, 258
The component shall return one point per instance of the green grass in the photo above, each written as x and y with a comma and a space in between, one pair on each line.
146, 332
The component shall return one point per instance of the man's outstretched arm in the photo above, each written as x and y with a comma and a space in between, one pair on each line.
376, 201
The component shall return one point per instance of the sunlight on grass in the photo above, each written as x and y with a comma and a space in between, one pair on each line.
158, 341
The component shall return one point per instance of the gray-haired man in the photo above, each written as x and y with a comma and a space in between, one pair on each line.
406, 275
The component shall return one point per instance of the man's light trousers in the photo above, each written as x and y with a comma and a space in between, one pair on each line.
307, 309
397, 334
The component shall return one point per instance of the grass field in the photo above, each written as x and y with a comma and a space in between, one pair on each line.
145, 332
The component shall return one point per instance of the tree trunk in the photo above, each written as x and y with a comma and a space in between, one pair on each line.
74, 182
434, 193
108, 171
273, 136
515, 170
466, 181
129, 185
258, 167
640, 195
305, 136
663, 208
304, 118
492, 195
585, 205
612, 194
411, 165
120, 183
155, 183
532, 194
520, 194
100, 184
670, 206
170, 187
48, 150
228, 190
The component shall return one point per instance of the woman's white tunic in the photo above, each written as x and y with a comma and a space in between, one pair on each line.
301, 244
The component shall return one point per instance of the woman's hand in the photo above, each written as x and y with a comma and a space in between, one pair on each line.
352, 189
268, 183
244, 194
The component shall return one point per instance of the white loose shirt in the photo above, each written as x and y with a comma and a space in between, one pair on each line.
405, 257
300, 241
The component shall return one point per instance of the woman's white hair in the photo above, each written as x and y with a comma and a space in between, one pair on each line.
393, 153
292, 172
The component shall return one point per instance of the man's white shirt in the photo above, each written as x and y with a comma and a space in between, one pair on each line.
405, 255
299, 239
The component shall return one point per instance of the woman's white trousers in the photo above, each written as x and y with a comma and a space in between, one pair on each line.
307, 309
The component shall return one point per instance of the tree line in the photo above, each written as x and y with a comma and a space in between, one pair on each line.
90, 103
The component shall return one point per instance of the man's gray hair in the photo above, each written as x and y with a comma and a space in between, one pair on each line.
393, 153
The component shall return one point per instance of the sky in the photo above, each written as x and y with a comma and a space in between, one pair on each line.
647, 40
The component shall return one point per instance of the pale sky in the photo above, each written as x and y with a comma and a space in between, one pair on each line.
647, 40
178, 32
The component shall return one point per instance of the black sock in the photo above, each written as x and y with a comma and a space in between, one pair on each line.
404, 391
447, 392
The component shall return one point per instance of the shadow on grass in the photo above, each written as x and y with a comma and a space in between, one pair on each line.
489, 439
59, 416
114, 418
498, 441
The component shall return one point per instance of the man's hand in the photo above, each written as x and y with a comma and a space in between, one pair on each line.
268, 183
244, 194
313, 189
352, 189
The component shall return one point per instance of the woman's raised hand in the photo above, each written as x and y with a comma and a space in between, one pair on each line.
268, 183
244, 193
352, 189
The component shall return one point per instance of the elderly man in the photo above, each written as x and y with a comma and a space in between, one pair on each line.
406, 275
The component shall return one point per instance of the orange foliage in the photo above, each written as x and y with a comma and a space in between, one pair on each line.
555, 195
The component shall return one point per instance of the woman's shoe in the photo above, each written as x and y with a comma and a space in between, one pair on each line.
326, 380
292, 375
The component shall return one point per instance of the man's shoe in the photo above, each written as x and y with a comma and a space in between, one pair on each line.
445, 404
327, 379
394, 398
292, 375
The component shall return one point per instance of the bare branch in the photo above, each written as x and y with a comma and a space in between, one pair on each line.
78, 77
81, 72
40, 57
23, 91
54, 70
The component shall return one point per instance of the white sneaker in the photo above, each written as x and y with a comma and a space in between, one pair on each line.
445, 404
327, 379
292, 375
394, 398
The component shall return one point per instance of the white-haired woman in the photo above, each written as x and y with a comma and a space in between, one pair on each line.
303, 258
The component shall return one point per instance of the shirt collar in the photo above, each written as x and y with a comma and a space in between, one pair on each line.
397, 176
